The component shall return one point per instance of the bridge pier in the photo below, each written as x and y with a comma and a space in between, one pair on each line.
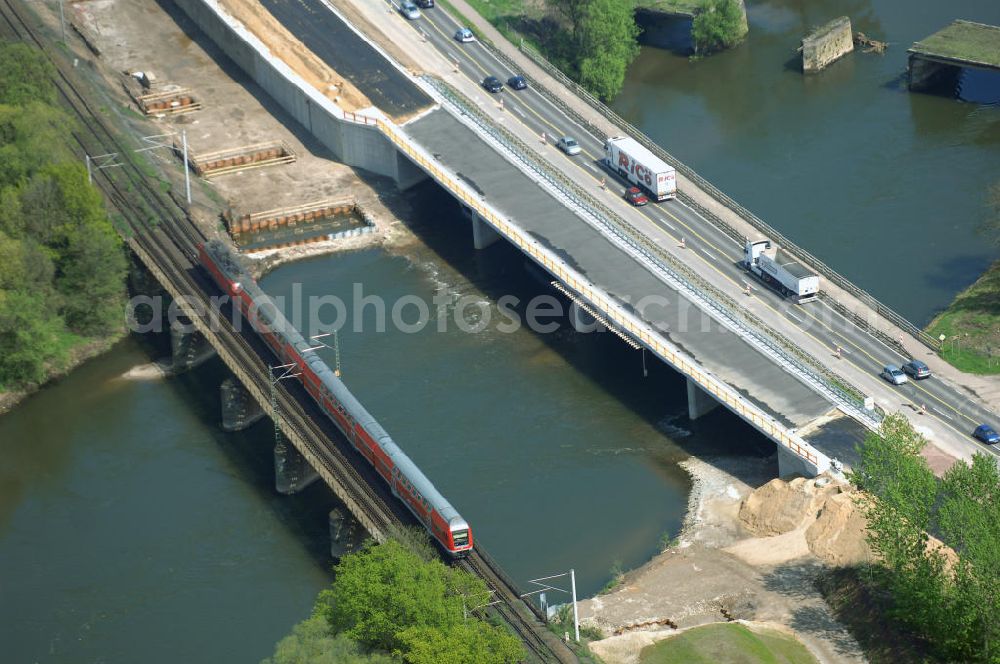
483, 235
239, 408
188, 348
699, 401
292, 472
792, 465
345, 534
582, 321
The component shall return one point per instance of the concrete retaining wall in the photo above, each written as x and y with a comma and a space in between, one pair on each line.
358, 145
827, 44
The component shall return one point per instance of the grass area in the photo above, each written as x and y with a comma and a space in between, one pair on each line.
727, 642
972, 326
864, 612
964, 40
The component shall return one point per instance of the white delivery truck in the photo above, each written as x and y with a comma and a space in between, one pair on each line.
641, 167
780, 271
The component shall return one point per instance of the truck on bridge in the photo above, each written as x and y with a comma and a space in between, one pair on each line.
780, 271
627, 157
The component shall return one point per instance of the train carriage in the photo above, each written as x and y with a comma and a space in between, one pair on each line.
363, 431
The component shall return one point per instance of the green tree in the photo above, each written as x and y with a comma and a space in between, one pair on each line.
472, 642
969, 521
29, 339
573, 11
312, 642
31, 137
717, 24
607, 46
25, 75
388, 597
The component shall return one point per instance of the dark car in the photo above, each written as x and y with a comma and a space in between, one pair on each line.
986, 434
916, 369
517, 83
424, 4
635, 196
492, 84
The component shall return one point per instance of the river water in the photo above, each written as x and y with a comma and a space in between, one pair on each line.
132, 529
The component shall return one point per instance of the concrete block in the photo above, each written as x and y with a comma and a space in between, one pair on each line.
292, 472
188, 348
699, 401
826, 44
239, 408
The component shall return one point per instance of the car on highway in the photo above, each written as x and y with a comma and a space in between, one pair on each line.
986, 434
568, 145
492, 84
635, 196
893, 374
517, 82
464, 35
425, 4
409, 10
916, 369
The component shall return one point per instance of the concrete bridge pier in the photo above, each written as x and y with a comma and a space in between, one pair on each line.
239, 408
699, 401
292, 472
582, 321
924, 74
792, 465
483, 235
188, 348
345, 533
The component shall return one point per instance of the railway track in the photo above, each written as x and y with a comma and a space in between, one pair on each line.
170, 239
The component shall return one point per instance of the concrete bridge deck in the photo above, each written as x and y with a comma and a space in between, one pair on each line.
531, 216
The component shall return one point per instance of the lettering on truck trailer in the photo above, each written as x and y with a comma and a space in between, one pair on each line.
640, 172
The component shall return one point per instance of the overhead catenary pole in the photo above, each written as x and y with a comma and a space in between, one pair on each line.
187, 171
576, 617
90, 175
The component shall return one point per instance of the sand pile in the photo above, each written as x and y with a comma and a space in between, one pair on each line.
817, 516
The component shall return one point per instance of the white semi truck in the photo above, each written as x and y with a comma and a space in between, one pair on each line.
780, 271
641, 167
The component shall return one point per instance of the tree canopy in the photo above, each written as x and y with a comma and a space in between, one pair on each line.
949, 599
718, 24
62, 267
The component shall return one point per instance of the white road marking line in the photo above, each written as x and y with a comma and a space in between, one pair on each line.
791, 315
943, 415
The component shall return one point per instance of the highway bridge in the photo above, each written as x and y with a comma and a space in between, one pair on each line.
774, 364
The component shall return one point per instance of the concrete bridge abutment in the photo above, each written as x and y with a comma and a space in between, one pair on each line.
239, 409
292, 471
700, 402
188, 348
483, 235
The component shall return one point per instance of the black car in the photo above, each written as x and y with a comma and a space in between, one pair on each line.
492, 84
425, 4
916, 369
517, 83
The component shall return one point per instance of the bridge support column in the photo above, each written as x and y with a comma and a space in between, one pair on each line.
792, 465
188, 348
292, 472
239, 409
699, 401
483, 234
582, 321
345, 533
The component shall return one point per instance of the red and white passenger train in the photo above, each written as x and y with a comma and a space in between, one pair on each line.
366, 435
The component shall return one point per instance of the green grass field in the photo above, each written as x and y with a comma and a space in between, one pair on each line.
729, 643
972, 326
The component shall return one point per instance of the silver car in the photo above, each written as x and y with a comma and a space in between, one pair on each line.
893, 374
409, 10
464, 35
568, 145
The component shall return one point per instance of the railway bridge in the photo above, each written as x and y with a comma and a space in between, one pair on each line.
804, 376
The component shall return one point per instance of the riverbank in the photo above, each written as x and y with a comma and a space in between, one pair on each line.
78, 354
971, 325
737, 558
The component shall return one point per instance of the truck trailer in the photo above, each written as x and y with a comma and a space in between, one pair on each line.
780, 271
641, 167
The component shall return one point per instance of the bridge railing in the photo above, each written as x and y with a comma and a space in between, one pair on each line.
625, 320
724, 306
760, 225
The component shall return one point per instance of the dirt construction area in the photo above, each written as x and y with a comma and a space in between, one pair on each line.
745, 554
157, 38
